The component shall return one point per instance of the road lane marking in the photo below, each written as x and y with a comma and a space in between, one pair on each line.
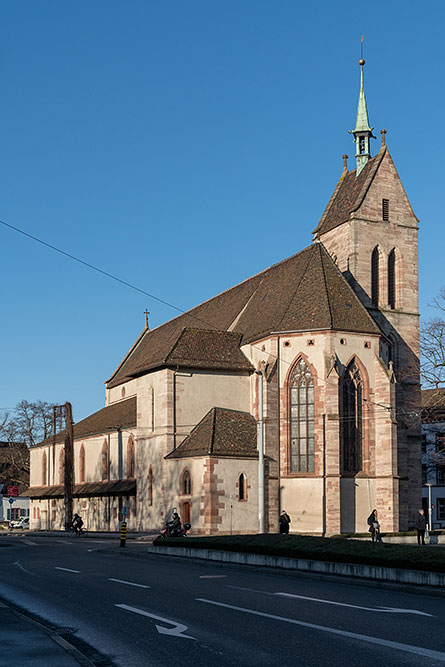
129, 583
213, 576
385, 610
30, 542
407, 648
67, 569
174, 632
19, 565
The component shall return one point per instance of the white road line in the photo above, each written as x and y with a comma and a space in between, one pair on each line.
175, 632
383, 610
67, 569
129, 583
30, 542
407, 648
19, 565
213, 576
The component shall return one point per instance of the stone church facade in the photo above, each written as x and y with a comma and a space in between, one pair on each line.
334, 332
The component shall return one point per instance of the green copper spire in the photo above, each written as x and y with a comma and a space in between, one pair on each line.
363, 132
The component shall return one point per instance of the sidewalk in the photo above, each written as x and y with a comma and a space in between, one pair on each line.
28, 643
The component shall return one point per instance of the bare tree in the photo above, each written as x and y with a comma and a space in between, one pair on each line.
28, 424
432, 345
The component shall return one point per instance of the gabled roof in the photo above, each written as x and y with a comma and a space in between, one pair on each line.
349, 194
303, 293
221, 432
117, 415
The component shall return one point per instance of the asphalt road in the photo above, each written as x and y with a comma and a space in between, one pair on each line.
144, 610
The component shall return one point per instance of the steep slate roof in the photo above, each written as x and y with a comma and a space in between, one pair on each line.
349, 194
303, 293
117, 415
221, 432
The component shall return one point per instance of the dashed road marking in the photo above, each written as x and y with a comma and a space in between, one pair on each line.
129, 583
67, 569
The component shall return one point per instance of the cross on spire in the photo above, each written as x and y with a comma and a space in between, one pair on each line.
146, 313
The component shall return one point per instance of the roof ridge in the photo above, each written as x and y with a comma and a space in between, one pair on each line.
212, 434
330, 202
175, 344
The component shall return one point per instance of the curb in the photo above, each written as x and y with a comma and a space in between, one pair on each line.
370, 572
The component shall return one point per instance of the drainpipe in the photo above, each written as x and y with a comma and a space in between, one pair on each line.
260, 457
324, 475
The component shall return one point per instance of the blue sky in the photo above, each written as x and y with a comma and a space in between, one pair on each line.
184, 147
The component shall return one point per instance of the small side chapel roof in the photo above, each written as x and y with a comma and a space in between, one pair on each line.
302, 293
222, 432
117, 415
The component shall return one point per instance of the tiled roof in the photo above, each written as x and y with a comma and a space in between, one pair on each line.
221, 432
117, 415
349, 194
304, 292
117, 487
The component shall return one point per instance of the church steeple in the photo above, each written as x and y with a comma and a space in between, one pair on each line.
363, 132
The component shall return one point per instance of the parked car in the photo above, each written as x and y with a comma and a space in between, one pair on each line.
21, 523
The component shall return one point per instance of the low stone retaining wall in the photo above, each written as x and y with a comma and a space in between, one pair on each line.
376, 573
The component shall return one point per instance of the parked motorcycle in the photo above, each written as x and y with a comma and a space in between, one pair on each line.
167, 531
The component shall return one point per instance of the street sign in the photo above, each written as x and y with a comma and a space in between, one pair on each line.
11, 500
13, 491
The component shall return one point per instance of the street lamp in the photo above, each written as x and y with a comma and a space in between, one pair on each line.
430, 509
260, 457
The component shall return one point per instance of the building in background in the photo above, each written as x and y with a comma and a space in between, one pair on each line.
14, 477
334, 331
433, 455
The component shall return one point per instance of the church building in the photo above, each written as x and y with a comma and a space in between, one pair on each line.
329, 336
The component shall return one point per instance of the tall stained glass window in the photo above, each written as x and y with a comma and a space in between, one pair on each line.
352, 419
302, 441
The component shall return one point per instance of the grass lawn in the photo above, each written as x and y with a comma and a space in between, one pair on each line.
334, 549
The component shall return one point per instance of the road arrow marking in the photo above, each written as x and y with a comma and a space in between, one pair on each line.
407, 648
129, 583
174, 632
388, 610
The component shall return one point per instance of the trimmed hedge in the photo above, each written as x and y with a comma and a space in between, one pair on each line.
335, 549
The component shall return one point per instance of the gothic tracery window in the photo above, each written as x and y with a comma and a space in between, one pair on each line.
62, 466
104, 461
186, 484
375, 277
352, 408
44, 470
242, 487
392, 279
130, 457
82, 464
302, 441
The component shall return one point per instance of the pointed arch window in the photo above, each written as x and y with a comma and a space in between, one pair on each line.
375, 277
62, 466
186, 483
301, 402
130, 457
242, 487
104, 461
150, 486
352, 408
82, 464
392, 279
44, 470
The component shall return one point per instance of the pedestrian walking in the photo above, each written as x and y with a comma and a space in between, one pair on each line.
374, 526
284, 522
421, 526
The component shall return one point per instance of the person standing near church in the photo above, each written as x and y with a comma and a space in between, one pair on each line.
284, 522
421, 526
374, 526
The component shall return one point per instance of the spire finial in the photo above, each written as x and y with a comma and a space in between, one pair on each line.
362, 132
383, 132
146, 313
345, 164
